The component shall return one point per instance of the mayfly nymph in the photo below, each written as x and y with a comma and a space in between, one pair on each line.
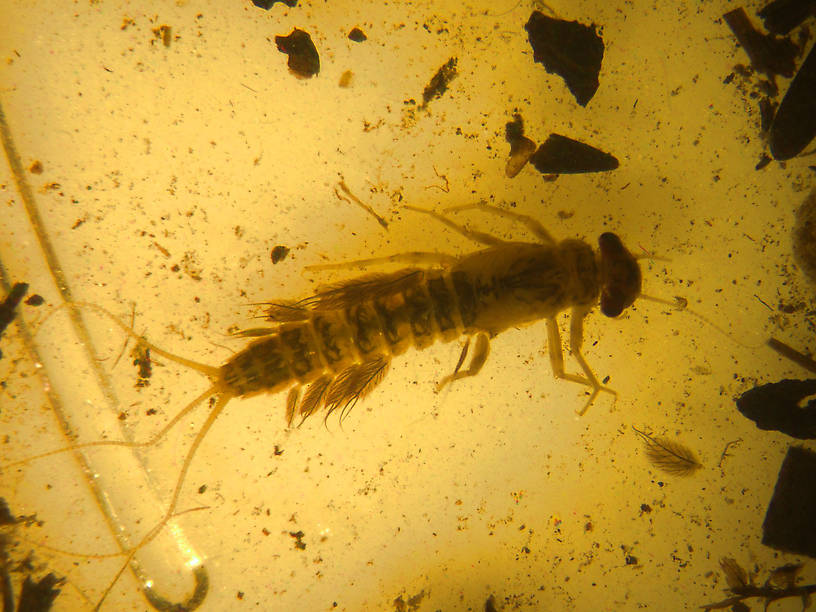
334, 347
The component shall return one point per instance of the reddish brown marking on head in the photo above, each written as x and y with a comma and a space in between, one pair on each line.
620, 275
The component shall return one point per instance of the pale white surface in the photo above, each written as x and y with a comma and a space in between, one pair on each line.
211, 151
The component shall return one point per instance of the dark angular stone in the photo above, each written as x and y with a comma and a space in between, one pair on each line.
562, 155
570, 49
790, 521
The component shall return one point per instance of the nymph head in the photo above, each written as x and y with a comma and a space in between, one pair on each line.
620, 275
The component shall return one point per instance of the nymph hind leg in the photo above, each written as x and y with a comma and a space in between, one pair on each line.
576, 340
480, 353
532, 224
411, 258
477, 236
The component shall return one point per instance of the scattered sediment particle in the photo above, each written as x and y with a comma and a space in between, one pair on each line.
35, 300
804, 237
279, 253
304, 61
562, 155
794, 125
411, 603
144, 365
521, 147
776, 406
439, 82
569, 49
268, 4
357, 35
298, 536
769, 54
36, 167
164, 33
345, 79
191, 266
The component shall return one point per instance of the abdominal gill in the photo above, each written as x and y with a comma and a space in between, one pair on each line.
668, 456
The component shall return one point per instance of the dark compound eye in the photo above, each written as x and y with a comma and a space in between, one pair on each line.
612, 302
620, 275
610, 244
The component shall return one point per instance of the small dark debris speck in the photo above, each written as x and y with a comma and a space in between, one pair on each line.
202, 488
279, 253
268, 4
141, 359
299, 543
304, 61
164, 33
357, 35
763, 161
35, 300
439, 82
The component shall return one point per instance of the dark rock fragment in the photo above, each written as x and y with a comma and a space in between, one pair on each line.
268, 4
790, 521
768, 54
357, 35
794, 125
562, 155
570, 49
304, 62
804, 237
775, 406
781, 16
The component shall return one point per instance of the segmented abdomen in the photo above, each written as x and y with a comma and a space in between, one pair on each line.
358, 324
